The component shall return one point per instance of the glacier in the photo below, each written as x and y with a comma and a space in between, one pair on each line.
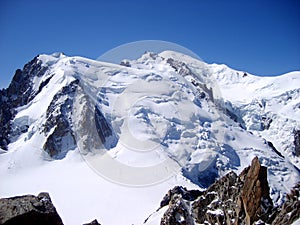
128, 133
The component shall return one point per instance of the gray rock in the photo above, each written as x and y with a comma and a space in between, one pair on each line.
29, 209
297, 142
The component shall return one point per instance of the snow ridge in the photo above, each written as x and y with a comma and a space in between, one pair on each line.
162, 120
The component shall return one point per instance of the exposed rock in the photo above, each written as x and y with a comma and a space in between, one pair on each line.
85, 125
234, 114
189, 195
266, 122
105, 131
125, 63
94, 222
270, 144
19, 93
232, 199
290, 210
297, 142
255, 192
29, 210
179, 67
221, 202
59, 113
44, 83
178, 213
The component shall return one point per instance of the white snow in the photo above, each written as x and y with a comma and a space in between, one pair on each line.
78, 193
216, 212
297, 222
161, 125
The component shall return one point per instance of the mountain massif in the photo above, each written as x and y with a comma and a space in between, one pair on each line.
109, 141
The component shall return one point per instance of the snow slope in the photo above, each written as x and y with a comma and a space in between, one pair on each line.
162, 122
267, 106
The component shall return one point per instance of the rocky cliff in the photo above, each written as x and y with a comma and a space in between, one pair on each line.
233, 199
19, 93
29, 210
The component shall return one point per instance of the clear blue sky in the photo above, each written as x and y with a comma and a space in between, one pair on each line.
258, 36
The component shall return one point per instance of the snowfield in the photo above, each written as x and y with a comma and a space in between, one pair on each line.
166, 120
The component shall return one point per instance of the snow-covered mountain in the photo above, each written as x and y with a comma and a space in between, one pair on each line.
108, 141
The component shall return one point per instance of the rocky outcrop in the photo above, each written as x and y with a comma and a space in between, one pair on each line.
179, 212
189, 195
255, 194
297, 142
94, 222
19, 93
233, 199
25, 85
220, 203
270, 144
266, 122
290, 210
105, 131
58, 125
29, 210
179, 67
125, 63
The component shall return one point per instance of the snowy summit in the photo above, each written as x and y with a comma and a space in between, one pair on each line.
108, 141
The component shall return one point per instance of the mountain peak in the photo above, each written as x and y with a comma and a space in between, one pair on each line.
162, 120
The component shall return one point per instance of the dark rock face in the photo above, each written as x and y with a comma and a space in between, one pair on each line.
58, 116
189, 195
297, 142
6, 114
105, 131
270, 144
18, 93
29, 210
215, 205
233, 199
290, 210
178, 214
125, 63
266, 122
94, 222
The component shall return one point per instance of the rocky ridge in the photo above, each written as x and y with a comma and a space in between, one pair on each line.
233, 199
25, 86
19, 93
58, 117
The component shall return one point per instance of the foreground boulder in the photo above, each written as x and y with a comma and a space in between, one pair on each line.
233, 200
29, 209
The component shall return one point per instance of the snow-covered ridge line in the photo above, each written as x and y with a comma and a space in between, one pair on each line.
208, 119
